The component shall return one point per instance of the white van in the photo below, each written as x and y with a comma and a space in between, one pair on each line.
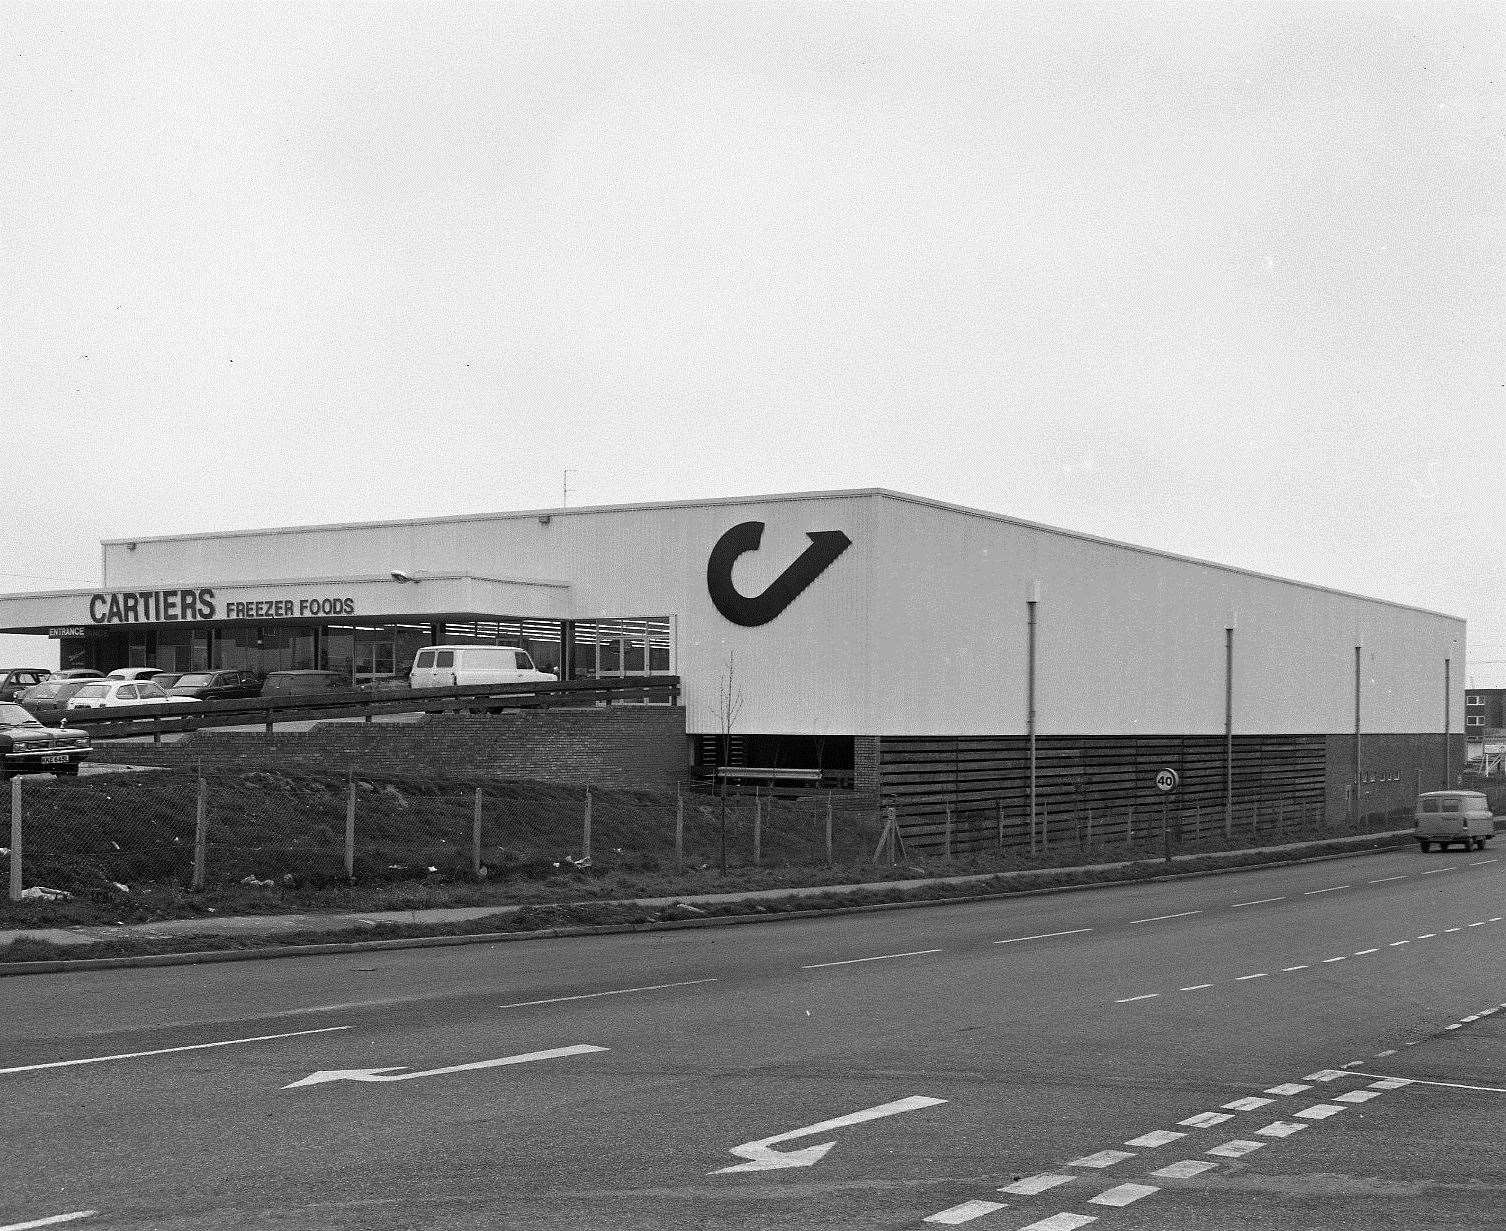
446, 666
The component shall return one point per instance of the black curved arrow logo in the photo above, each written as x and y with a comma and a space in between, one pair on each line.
826, 546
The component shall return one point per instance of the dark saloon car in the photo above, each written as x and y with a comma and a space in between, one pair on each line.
27, 747
48, 701
294, 683
16, 680
217, 685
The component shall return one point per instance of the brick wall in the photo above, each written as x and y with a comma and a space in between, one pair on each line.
629, 747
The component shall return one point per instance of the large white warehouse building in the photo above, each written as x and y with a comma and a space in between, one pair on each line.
904, 646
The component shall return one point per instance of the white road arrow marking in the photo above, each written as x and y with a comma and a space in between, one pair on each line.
762, 1157
397, 1073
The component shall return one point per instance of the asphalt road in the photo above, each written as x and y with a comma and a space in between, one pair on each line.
1089, 1053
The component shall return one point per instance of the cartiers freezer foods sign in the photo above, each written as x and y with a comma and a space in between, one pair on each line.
753, 610
178, 606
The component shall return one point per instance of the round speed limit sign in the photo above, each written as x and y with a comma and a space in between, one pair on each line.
1167, 779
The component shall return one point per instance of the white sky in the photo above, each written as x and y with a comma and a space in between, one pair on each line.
1225, 280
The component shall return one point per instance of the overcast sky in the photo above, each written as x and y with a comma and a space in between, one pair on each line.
1221, 279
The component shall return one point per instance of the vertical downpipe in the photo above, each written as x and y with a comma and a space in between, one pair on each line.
1448, 733
1358, 809
1229, 730
1035, 595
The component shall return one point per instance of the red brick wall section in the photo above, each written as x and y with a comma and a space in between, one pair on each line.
627, 747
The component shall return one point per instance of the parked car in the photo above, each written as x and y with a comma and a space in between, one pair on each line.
111, 694
292, 683
217, 685
131, 673
76, 673
16, 680
446, 666
30, 748
48, 701
1453, 816
166, 679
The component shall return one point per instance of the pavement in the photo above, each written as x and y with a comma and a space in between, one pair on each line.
1317, 1044
438, 917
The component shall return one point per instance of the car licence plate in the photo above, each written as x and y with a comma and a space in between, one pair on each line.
55, 758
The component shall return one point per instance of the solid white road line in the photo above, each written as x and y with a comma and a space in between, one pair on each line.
49, 1222
1261, 901
965, 1212
621, 991
163, 1051
1158, 918
1014, 940
882, 957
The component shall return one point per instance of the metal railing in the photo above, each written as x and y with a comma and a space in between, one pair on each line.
160, 718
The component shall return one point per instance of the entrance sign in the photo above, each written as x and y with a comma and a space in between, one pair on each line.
1167, 779
752, 610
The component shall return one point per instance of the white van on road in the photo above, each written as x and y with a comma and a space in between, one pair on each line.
448, 666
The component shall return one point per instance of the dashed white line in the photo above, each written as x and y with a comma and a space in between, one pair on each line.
1307, 893
1246, 978
621, 991
1205, 1119
1394, 943
1104, 1158
1159, 1137
1236, 1149
1196, 987
1362, 952
1319, 1111
1183, 1170
1160, 918
1132, 999
1014, 940
49, 1222
1288, 1087
1446, 931
1280, 1128
1246, 1104
1384, 879
163, 1051
1061, 1222
1481, 924
1286, 970
1435, 871
965, 1212
1427, 936
882, 957
1326, 960
1123, 1194
1356, 1096
1033, 1184
1261, 901
1480, 863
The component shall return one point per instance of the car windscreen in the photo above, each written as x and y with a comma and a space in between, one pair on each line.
13, 715
193, 681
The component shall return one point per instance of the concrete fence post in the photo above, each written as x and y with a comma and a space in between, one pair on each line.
1046, 827
679, 825
1129, 829
15, 840
828, 830
585, 832
757, 827
947, 839
476, 837
1090, 826
350, 829
999, 821
200, 835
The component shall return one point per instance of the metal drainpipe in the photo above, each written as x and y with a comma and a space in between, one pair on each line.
1030, 701
1228, 732
1448, 733
1358, 812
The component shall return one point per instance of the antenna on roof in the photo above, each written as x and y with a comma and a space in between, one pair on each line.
565, 490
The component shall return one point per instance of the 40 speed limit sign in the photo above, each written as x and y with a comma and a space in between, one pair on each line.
1167, 779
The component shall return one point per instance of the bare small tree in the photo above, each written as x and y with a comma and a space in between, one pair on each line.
729, 703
